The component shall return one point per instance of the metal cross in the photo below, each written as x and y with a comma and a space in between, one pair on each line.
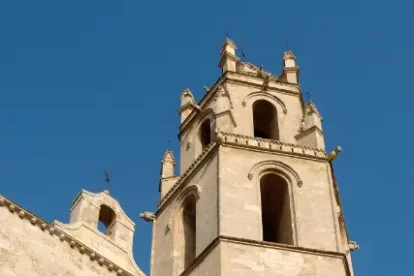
227, 34
286, 45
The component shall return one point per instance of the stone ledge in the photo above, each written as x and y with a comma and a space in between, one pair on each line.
63, 237
270, 145
284, 247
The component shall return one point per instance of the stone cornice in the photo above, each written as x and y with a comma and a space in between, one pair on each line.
264, 244
63, 236
258, 82
270, 145
185, 176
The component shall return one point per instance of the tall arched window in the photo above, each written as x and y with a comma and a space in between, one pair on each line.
185, 230
205, 133
106, 218
189, 227
265, 120
276, 213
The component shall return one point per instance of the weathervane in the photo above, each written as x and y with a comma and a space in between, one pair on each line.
286, 45
227, 34
107, 178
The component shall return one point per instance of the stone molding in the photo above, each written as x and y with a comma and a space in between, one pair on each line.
266, 94
277, 165
271, 145
63, 237
200, 258
183, 178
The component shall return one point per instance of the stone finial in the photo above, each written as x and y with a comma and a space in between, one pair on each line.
228, 59
290, 70
168, 157
167, 164
187, 104
310, 108
228, 46
147, 216
288, 54
187, 96
333, 154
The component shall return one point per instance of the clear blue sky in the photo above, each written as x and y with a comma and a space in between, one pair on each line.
92, 84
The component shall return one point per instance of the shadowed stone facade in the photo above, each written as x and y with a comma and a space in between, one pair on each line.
255, 194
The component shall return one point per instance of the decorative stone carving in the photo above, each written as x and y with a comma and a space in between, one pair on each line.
353, 245
288, 55
147, 216
333, 154
222, 91
168, 157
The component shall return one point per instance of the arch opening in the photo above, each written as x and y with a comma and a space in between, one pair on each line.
265, 123
189, 229
205, 133
106, 218
276, 213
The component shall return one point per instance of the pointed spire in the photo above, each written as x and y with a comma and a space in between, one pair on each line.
168, 157
167, 164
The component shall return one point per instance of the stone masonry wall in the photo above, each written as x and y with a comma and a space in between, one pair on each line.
312, 202
165, 230
28, 250
258, 260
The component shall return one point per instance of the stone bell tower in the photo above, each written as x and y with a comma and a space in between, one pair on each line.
256, 192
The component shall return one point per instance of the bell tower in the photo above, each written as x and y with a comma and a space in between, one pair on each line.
256, 192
